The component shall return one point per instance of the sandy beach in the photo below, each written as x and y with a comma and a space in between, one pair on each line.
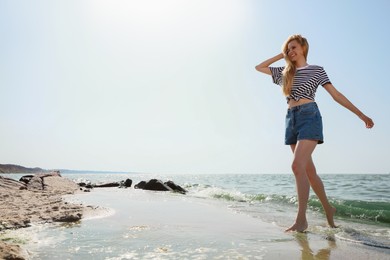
39, 201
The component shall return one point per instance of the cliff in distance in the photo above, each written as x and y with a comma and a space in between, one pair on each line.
12, 168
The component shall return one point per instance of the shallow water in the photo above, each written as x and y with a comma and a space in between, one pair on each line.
356, 196
150, 225
221, 217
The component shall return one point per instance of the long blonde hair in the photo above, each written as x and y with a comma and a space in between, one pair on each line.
290, 68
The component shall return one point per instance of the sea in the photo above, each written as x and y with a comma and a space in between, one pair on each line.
222, 216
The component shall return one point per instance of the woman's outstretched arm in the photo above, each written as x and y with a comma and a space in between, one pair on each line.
342, 100
263, 67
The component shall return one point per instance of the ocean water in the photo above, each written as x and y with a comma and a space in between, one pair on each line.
223, 216
357, 197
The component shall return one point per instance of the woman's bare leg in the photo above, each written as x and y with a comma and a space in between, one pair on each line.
302, 155
318, 187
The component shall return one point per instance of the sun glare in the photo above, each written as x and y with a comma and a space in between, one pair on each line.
159, 15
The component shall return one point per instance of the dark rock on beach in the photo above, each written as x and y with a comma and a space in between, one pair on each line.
26, 178
85, 185
107, 185
140, 185
158, 185
127, 183
122, 184
153, 184
175, 187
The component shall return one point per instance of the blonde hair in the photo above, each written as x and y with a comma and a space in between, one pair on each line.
290, 68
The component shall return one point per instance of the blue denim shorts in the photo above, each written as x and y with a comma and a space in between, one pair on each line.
304, 123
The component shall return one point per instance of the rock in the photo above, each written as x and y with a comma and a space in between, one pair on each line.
122, 184
152, 184
8, 183
140, 185
50, 174
21, 207
68, 218
82, 184
60, 185
158, 185
127, 183
175, 187
86, 185
16, 222
15, 252
36, 182
107, 185
26, 178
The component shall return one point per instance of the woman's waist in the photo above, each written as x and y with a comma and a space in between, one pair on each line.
292, 103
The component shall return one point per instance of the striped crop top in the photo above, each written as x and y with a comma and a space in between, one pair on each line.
305, 83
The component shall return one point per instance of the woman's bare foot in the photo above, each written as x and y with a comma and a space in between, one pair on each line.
299, 227
329, 217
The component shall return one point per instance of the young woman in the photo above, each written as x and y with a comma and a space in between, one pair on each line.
299, 82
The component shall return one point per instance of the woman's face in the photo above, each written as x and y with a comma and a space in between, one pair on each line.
294, 51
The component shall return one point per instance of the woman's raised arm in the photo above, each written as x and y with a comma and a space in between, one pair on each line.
264, 66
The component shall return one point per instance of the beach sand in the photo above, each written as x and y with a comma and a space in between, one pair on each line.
42, 202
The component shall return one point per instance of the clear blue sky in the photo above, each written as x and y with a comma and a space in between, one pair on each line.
170, 86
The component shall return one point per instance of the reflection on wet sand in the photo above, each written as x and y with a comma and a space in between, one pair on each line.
307, 252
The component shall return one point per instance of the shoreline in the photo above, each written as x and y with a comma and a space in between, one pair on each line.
144, 224
39, 201
157, 225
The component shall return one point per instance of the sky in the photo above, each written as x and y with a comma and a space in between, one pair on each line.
170, 87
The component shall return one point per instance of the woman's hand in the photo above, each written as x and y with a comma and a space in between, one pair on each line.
264, 66
368, 121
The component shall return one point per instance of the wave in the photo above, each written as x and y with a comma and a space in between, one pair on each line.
376, 211
359, 237
350, 209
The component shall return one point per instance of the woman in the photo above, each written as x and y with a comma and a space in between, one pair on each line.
299, 82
